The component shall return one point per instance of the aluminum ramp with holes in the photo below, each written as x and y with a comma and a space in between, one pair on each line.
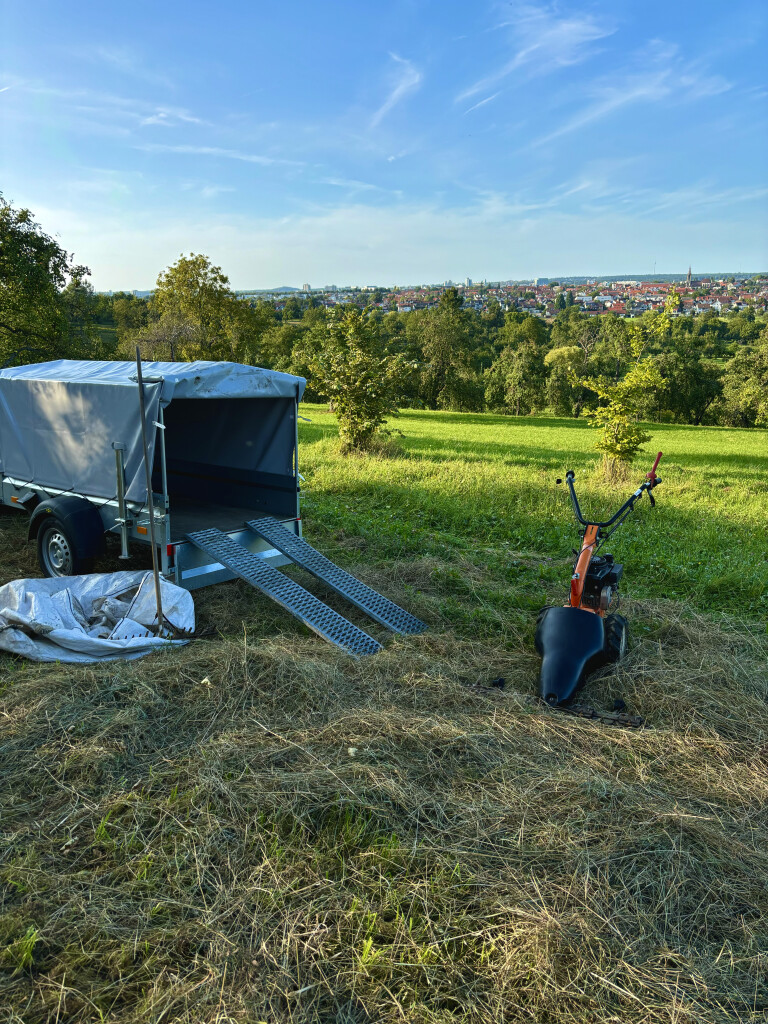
367, 600
295, 599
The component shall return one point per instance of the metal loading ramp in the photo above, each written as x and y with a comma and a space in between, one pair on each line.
289, 595
367, 600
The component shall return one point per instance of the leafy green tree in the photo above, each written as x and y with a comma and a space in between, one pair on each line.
516, 382
522, 329
745, 386
565, 326
622, 401
349, 365
81, 305
195, 315
444, 340
293, 309
35, 322
695, 382
559, 301
130, 314
493, 316
563, 396
451, 300
569, 298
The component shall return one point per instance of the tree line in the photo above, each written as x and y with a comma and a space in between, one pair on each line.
708, 369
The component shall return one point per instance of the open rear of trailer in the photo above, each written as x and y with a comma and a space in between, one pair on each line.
223, 448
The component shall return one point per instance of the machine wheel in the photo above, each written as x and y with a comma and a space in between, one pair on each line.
57, 552
615, 638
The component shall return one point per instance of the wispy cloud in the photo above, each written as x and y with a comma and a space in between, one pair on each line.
126, 62
482, 103
664, 76
211, 191
408, 79
219, 151
351, 183
109, 106
169, 116
5, 88
542, 42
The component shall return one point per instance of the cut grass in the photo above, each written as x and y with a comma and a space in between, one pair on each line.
258, 828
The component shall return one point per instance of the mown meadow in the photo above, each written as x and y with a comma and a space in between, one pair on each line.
259, 828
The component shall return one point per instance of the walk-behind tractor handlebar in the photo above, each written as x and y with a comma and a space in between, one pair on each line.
651, 481
579, 638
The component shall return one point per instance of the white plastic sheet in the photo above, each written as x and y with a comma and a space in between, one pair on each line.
82, 619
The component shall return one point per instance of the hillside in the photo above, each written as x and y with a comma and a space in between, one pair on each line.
257, 828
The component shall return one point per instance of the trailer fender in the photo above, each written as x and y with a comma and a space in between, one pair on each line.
79, 516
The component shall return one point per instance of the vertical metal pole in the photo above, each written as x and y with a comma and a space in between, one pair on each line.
150, 502
120, 471
296, 455
163, 463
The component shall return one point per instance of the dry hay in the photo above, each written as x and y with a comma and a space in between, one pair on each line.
258, 828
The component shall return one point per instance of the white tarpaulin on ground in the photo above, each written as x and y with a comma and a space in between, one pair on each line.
83, 619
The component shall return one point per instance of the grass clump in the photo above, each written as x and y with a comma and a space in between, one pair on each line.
258, 828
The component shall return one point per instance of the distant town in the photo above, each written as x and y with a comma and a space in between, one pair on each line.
626, 298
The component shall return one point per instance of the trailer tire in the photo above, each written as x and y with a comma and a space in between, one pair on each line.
57, 550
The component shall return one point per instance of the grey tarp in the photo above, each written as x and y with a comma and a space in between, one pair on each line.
58, 420
81, 619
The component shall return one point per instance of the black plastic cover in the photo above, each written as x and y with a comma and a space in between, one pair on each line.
571, 644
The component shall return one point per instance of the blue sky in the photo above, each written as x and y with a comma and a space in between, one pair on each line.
395, 143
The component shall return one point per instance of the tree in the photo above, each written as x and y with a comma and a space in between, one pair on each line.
569, 298
348, 364
516, 381
522, 329
622, 401
443, 336
696, 382
562, 394
34, 312
130, 314
293, 309
745, 386
197, 316
559, 301
451, 300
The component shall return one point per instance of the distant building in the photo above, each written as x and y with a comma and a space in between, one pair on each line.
306, 288
539, 281
468, 282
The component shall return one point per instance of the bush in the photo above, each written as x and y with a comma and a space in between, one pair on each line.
348, 365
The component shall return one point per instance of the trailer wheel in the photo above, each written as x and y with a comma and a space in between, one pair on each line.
57, 551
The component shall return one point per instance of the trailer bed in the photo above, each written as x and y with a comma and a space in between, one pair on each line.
188, 516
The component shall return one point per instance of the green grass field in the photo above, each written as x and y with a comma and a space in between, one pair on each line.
487, 483
256, 827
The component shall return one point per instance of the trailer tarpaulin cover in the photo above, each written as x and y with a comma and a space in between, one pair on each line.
58, 420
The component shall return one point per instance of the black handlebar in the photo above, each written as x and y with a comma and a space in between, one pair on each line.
628, 505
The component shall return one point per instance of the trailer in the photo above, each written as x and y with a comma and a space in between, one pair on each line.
222, 441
